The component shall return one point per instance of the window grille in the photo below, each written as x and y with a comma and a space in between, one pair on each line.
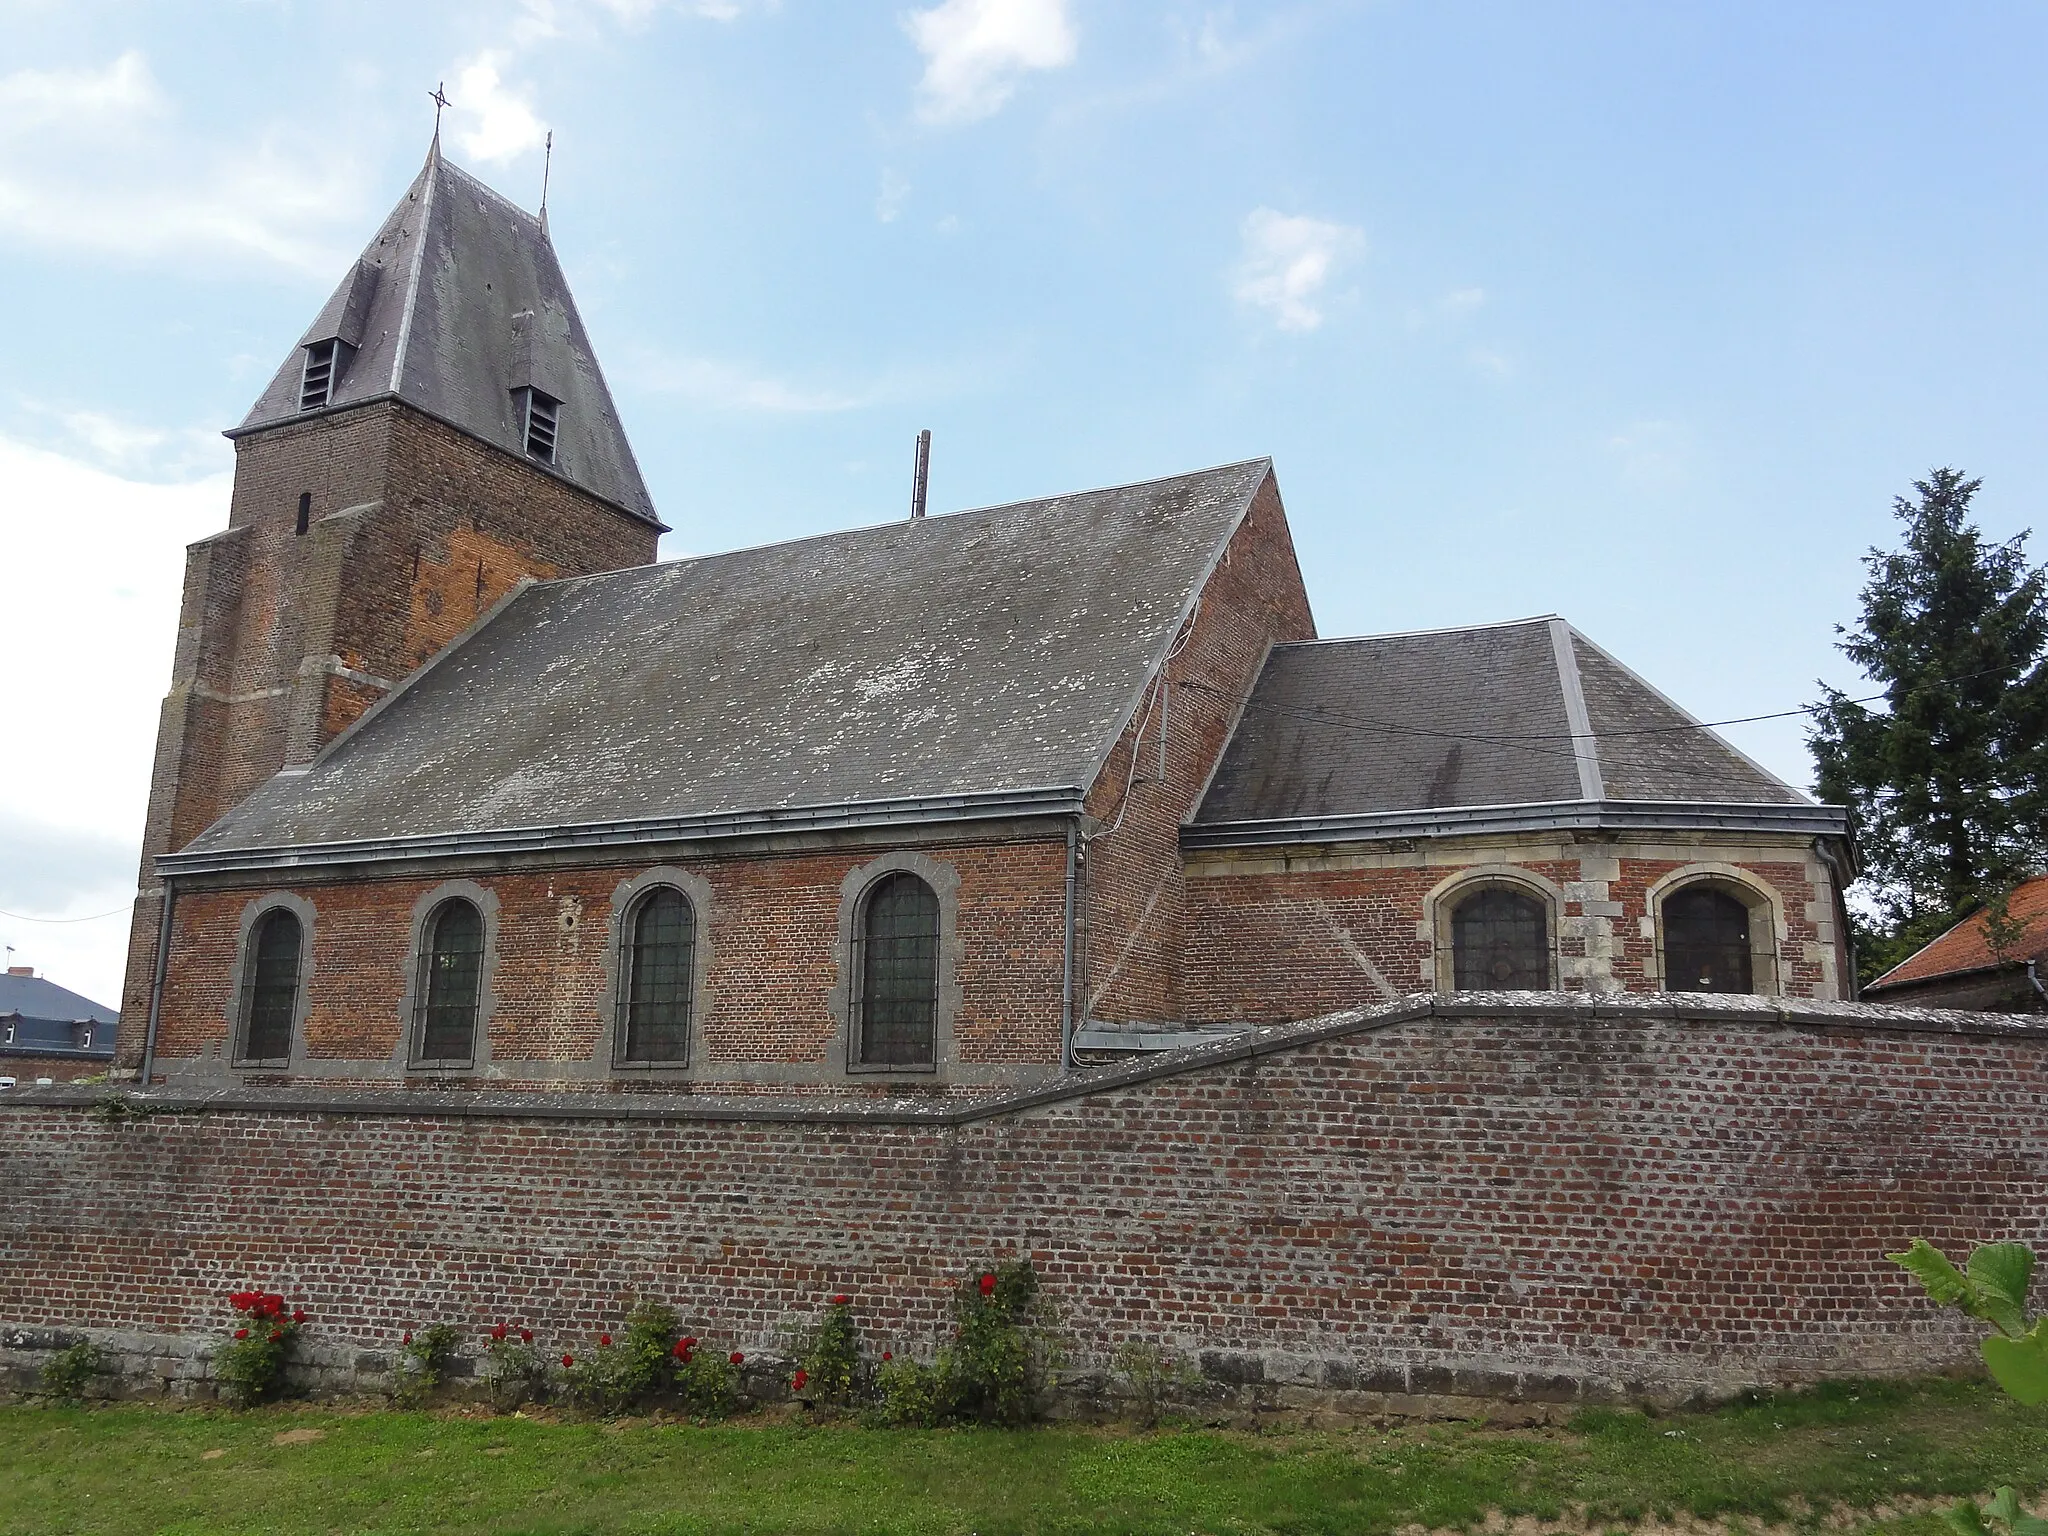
543, 418
661, 943
896, 971
1500, 942
271, 993
1706, 942
451, 985
316, 385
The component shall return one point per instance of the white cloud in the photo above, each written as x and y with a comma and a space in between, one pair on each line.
95, 564
707, 381
99, 160
493, 121
1653, 456
890, 200
1288, 261
974, 50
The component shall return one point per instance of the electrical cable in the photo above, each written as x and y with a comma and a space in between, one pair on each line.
23, 917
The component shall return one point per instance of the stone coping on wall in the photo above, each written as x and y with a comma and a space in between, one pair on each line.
488, 1103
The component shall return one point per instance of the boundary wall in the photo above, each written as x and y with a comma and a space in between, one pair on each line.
1533, 1197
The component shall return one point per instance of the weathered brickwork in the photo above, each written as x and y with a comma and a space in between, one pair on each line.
771, 942
61, 1069
1492, 1195
1132, 939
412, 530
1278, 934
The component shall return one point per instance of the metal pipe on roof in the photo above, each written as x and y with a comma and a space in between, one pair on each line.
921, 474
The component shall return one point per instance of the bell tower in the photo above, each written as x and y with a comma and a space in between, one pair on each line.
441, 432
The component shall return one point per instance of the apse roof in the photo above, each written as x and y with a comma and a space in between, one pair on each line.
455, 305
1528, 712
938, 660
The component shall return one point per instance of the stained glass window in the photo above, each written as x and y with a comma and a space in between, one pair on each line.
454, 966
1500, 942
272, 990
898, 972
661, 949
1706, 942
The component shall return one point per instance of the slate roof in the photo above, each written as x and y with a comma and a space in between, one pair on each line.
1965, 947
40, 1018
983, 653
457, 302
1523, 713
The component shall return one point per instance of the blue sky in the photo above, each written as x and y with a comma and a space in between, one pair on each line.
1641, 314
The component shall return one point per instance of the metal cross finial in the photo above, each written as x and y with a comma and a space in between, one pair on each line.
546, 170
439, 96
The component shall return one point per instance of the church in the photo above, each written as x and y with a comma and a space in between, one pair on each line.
456, 786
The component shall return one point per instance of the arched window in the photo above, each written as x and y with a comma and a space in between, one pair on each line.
1500, 942
1706, 942
270, 989
896, 971
659, 969
451, 983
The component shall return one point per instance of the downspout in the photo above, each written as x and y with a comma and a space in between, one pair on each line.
156, 990
2034, 981
1067, 958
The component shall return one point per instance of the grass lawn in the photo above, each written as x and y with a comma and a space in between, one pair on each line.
135, 1469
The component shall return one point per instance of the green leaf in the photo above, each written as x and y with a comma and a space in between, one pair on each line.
2000, 1274
1964, 1520
1924, 1261
2004, 1505
2021, 1365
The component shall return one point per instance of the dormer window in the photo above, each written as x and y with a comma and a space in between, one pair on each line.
316, 386
541, 418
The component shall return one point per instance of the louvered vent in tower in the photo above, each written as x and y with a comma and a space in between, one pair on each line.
543, 418
316, 385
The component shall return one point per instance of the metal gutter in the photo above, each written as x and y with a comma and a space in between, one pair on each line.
1564, 815
920, 810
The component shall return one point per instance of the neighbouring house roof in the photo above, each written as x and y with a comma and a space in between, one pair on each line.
456, 304
40, 1018
1966, 947
1503, 725
952, 663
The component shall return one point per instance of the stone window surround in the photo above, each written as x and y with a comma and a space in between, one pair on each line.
944, 879
412, 1005
245, 959
1442, 901
626, 898
1766, 939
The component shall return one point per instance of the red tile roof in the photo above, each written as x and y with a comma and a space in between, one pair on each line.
1964, 947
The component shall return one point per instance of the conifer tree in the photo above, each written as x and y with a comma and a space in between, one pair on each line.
1947, 784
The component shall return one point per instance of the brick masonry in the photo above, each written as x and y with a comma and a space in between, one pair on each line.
413, 530
1498, 1195
1277, 934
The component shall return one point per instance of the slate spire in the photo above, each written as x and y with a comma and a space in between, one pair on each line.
459, 308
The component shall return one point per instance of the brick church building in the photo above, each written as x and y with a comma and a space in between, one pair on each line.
457, 786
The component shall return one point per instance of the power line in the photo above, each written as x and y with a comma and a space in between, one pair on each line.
23, 917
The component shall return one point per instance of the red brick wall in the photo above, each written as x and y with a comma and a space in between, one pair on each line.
1135, 889
1275, 945
1613, 1201
62, 1069
773, 924
450, 525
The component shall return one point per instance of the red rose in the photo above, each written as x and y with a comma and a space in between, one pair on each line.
298, 1314
241, 1333
737, 1357
408, 1337
690, 1342
682, 1349
799, 1381
838, 1301
239, 1301
568, 1360
276, 1334
988, 1285
526, 1335
498, 1334
887, 1356
604, 1341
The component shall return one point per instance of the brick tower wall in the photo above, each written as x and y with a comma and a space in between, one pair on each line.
284, 639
